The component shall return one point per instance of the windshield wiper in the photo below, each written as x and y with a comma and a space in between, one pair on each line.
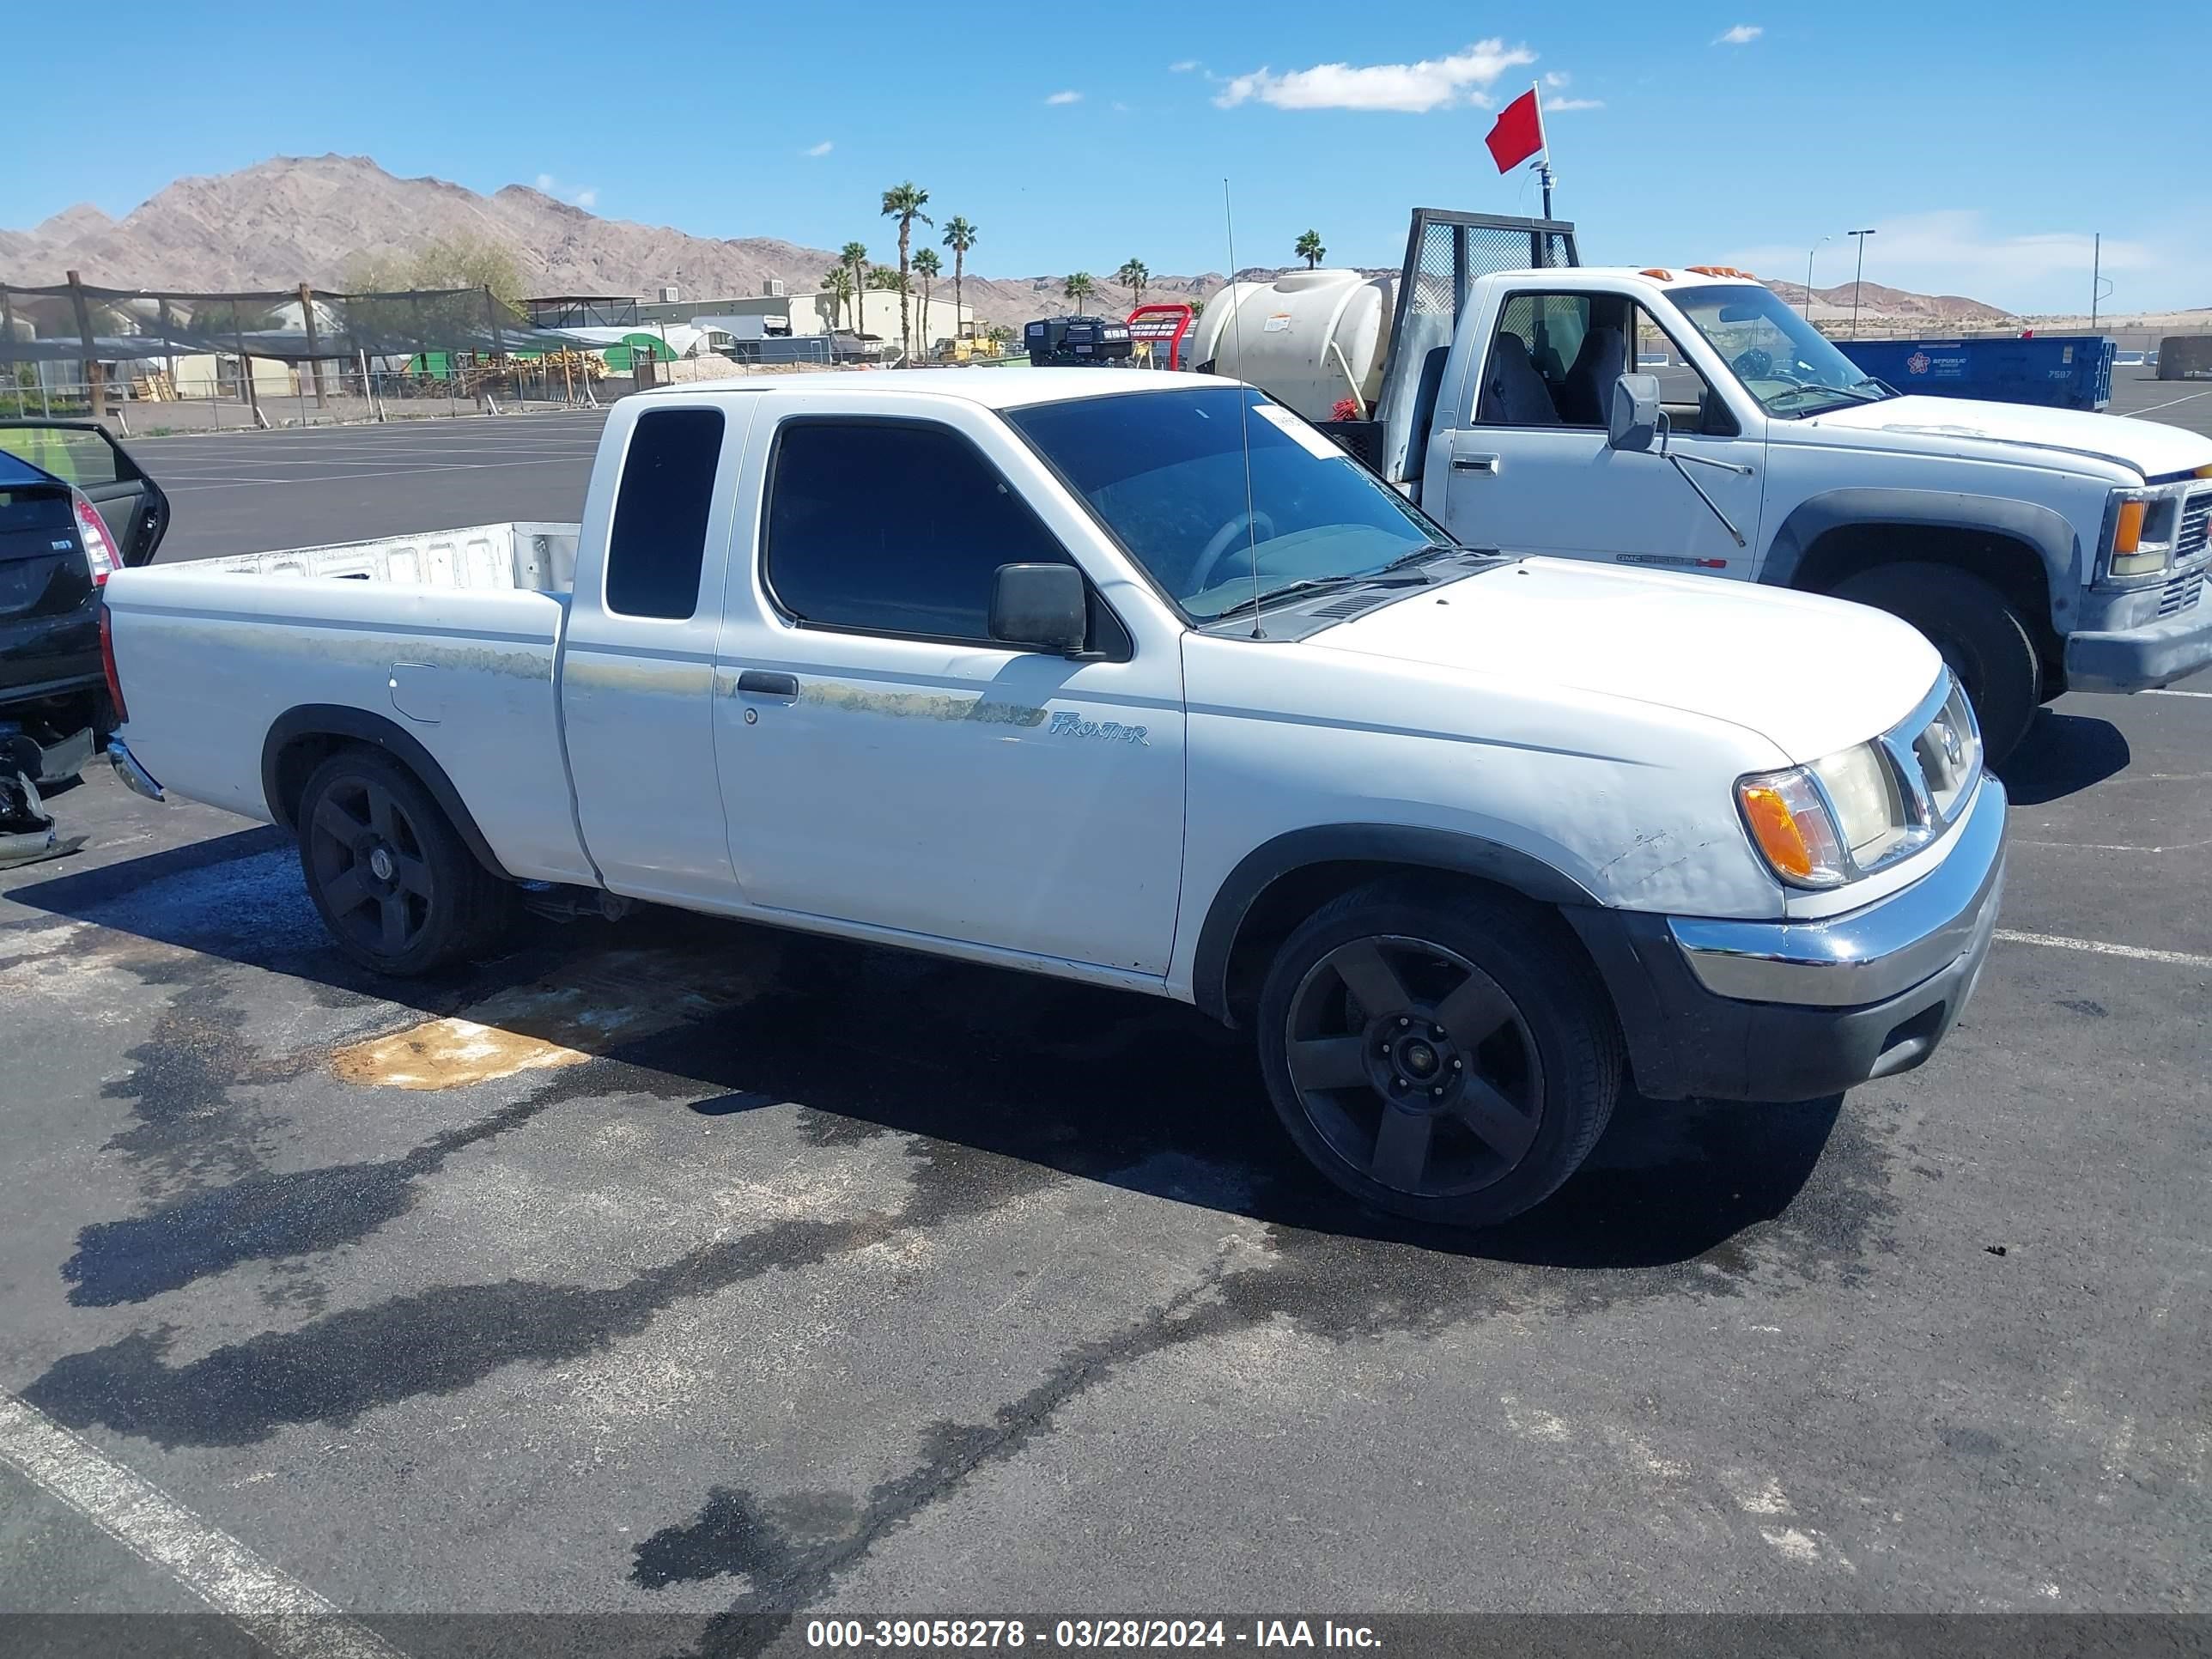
1848, 394
1315, 585
1427, 553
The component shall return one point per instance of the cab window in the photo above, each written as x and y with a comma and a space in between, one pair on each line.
893, 527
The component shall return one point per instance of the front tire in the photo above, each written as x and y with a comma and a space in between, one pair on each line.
1445, 1055
395, 883
1983, 640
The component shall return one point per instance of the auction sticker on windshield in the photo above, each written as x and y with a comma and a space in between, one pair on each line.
1300, 433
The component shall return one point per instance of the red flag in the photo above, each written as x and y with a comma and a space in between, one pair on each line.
1518, 134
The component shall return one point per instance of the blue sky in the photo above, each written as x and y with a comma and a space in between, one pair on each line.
1985, 144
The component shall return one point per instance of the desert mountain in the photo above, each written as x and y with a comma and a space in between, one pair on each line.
1877, 300
295, 219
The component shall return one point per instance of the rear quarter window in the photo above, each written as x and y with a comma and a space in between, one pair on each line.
658, 544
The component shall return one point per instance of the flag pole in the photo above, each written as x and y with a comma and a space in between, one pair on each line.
1543, 146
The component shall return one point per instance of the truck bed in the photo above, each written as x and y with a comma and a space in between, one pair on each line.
449, 639
525, 553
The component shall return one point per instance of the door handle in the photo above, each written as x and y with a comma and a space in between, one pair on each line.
1475, 464
763, 683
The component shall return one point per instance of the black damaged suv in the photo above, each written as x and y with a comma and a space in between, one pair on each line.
74, 507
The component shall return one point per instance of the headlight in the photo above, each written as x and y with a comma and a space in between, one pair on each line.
2139, 541
1791, 825
1850, 813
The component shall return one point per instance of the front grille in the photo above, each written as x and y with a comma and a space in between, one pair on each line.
2183, 592
2196, 527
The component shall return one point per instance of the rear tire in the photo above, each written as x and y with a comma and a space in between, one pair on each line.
1445, 1055
1983, 639
394, 882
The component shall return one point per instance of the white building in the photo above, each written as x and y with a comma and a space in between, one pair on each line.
733, 324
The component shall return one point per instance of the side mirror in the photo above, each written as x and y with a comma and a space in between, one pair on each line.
1633, 421
1041, 605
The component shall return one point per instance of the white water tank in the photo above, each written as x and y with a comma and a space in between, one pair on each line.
1308, 338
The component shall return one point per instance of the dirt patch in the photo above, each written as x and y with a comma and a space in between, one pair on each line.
559, 1021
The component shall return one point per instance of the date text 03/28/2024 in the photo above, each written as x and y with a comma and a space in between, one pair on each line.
1086, 1633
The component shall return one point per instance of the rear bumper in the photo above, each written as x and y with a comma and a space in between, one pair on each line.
136, 777
2150, 653
1793, 1011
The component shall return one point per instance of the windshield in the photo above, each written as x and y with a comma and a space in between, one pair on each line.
1783, 360
1165, 472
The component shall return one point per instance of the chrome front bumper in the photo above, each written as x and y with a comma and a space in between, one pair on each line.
1868, 954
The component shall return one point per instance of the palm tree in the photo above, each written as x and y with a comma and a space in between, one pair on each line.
854, 258
904, 202
959, 236
837, 283
1132, 275
1078, 288
929, 268
1310, 250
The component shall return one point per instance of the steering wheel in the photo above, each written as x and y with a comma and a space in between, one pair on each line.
1223, 542
1753, 365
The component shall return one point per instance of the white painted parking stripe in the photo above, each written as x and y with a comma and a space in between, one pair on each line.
2190, 398
2163, 692
347, 477
280, 1613
2096, 947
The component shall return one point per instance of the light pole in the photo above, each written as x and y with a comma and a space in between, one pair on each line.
1862, 236
1809, 252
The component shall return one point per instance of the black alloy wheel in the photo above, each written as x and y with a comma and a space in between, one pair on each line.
1439, 1050
397, 887
368, 861
1415, 1067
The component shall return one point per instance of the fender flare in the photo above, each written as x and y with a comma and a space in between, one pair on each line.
1442, 850
2046, 531
317, 719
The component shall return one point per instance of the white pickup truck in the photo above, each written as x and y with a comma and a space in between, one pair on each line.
1136, 680
1688, 418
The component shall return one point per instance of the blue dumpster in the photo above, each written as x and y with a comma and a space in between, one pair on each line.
2060, 371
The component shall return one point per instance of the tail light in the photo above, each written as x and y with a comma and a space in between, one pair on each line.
107, 665
100, 550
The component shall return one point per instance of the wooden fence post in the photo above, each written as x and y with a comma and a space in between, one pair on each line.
95, 376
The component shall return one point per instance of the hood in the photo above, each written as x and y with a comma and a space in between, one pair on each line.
2151, 447
1812, 675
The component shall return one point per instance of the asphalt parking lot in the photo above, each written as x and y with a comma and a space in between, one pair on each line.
668, 1268
248, 492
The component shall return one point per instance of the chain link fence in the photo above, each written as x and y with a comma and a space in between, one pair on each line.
153, 360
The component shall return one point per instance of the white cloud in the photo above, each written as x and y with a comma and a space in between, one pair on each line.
1120, 108
1065, 98
545, 183
822, 149
1411, 89
585, 198
1741, 35
1562, 106
1953, 250
1183, 68
1556, 79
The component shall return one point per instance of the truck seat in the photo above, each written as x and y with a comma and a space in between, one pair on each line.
1602, 359
1513, 392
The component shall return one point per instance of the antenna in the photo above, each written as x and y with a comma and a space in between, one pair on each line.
1243, 408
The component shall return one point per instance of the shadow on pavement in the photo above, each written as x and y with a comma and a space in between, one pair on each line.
1101, 1085
2062, 756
